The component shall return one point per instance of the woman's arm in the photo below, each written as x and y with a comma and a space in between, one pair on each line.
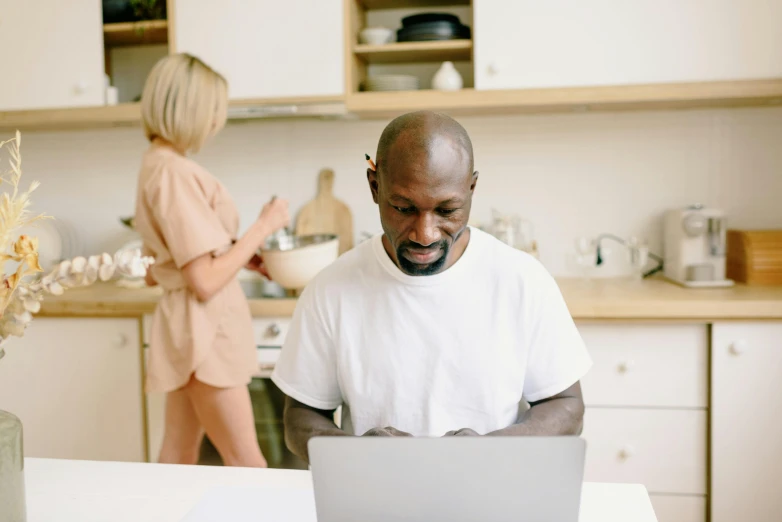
206, 275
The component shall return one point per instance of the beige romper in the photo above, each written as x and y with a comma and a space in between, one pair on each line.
183, 212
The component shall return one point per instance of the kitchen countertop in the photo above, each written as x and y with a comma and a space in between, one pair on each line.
88, 491
599, 299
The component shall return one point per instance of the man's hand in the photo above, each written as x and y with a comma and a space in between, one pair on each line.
388, 431
464, 432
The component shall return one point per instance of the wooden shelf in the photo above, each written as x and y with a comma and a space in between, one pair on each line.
406, 52
754, 93
129, 114
123, 114
398, 4
576, 99
135, 33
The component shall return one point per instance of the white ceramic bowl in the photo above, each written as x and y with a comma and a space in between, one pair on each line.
293, 261
376, 35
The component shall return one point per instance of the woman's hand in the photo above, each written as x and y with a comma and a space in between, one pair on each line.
274, 216
256, 265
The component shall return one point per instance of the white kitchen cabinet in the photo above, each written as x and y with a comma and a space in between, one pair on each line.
76, 386
52, 54
647, 365
746, 427
571, 43
663, 449
265, 48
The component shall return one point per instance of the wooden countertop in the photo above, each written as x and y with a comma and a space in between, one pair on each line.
600, 299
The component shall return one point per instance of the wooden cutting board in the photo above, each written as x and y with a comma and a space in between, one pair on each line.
326, 214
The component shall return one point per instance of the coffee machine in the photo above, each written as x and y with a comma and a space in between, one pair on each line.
695, 247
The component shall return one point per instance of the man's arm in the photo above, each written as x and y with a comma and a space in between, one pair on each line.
303, 422
562, 414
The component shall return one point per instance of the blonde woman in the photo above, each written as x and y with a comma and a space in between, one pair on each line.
202, 352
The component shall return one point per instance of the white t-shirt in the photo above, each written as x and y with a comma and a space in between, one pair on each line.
430, 354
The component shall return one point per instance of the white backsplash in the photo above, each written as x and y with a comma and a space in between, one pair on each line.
571, 174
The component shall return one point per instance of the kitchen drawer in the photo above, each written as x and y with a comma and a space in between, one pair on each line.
646, 365
665, 450
270, 331
679, 508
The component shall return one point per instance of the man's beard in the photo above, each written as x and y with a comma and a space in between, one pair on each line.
414, 269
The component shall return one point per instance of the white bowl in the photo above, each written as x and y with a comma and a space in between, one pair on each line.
376, 35
293, 261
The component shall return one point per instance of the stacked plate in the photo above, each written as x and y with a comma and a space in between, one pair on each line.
391, 82
432, 26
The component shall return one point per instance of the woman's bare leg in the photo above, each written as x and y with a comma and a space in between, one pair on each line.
227, 416
183, 432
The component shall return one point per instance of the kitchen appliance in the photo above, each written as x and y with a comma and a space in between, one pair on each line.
755, 256
695, 247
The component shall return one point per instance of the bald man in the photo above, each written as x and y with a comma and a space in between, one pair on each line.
432, 328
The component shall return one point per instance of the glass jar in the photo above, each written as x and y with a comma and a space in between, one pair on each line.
12, 497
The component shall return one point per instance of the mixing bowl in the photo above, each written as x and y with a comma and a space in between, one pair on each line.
293, 261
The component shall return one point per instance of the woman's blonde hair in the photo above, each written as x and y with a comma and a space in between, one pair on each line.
184, 102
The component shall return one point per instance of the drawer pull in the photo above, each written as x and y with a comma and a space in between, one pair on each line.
738, 347
625, 366
273, 330
626, 452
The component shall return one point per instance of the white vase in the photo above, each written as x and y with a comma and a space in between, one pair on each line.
447, 78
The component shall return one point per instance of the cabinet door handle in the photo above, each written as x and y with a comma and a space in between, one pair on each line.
80, 87
493, 69
738, 347
625, 366
121, 340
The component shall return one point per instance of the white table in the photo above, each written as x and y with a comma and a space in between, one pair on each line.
85, 491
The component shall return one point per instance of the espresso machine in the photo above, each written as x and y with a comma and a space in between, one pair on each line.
695, 247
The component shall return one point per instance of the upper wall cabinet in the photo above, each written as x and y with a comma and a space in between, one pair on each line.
571, 43
52, 54
265, 48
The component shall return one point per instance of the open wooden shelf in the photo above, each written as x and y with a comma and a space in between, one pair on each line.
407, 52
575, 99
135, 33
398, 4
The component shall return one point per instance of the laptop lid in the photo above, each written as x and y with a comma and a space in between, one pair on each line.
458, 479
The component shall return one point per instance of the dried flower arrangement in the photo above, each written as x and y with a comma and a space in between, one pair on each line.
21, 294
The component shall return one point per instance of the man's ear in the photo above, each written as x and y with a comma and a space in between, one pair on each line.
373, 184
474, 181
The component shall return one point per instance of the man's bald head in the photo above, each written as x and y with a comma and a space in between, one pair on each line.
423, 187
418, 134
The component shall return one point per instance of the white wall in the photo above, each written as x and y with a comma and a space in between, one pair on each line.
571, 175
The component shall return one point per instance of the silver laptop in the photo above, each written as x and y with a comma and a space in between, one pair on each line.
456, 479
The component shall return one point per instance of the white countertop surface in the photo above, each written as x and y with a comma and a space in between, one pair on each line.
86, 491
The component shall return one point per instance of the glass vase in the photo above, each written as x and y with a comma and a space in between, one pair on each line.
12, 497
